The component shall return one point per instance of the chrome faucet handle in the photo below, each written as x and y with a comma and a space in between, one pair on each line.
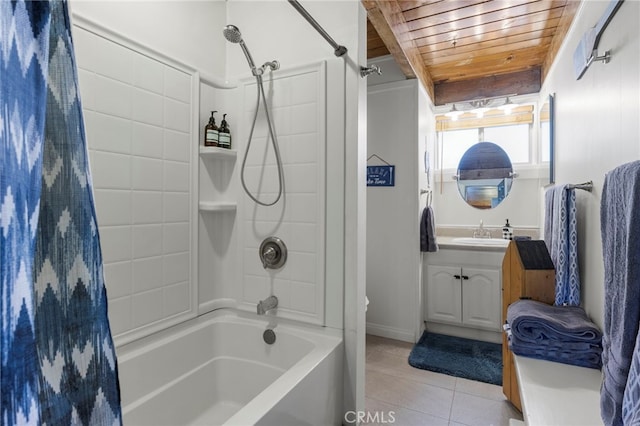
481, 232
273, 253
269, 256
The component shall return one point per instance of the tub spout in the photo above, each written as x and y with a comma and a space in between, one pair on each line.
267, 304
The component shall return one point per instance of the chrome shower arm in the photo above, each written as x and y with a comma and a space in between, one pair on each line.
338, 49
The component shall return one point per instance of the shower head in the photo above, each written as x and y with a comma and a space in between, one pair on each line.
232, 34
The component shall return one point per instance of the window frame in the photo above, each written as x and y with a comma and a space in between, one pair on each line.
523, 114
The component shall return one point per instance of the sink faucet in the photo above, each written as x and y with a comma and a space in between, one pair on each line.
481, 232
267, 304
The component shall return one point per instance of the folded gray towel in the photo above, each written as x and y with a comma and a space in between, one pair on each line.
537, 322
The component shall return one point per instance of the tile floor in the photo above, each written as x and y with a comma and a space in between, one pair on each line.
423, 398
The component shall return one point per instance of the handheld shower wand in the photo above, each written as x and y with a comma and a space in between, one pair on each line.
232, 34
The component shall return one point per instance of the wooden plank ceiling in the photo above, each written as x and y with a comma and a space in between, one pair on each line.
470, 49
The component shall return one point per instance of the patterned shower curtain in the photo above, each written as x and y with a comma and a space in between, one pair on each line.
58, 360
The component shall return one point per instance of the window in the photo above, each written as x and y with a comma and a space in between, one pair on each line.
511, 132
514, 139
457, 142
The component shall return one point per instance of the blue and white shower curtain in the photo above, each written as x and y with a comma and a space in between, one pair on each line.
58, 359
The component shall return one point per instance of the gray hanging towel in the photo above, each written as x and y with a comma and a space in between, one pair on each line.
428, 231
620, 230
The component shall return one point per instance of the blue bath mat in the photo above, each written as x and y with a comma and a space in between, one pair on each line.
455, 356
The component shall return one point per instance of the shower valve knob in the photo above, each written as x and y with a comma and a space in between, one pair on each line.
273, 253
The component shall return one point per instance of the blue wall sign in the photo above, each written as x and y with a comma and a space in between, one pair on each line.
381, 175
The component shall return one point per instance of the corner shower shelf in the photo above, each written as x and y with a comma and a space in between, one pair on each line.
217, 206
213, 152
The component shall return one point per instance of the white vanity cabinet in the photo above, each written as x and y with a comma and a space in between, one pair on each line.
481, 298
463, 289
444, 294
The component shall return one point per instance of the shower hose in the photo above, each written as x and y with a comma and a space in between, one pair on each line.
274, 141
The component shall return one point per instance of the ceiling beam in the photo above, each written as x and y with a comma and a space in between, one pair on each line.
516, 83
387, 18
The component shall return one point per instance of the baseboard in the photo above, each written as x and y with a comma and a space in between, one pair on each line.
391, 332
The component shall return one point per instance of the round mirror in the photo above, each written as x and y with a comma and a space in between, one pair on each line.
485, 175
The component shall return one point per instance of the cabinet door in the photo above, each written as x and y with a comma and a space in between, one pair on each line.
481, 295
443, 294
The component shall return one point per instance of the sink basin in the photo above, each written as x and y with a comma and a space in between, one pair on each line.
493, 242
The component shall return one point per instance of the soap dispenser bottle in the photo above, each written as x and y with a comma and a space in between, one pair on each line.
224, 140
507, 231
211, 132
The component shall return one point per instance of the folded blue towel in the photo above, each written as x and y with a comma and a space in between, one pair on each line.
537, 322
428, 231
555, 333
620, 228
589, 355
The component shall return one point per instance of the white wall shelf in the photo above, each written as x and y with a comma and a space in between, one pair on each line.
213, 152
217, 206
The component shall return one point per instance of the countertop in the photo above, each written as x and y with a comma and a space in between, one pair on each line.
447, 242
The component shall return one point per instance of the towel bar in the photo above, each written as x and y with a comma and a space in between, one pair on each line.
587, 186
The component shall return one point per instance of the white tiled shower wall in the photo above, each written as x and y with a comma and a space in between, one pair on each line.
142, 142
296, 98
138, 124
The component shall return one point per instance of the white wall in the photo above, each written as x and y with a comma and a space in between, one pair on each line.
273, 29
399, 122
597, 127
186, 31
520, 206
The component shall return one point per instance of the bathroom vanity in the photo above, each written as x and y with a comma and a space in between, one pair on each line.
463, 290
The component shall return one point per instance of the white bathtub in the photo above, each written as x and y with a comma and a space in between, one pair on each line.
217, 369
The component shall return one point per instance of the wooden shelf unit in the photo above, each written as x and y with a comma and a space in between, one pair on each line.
527, 273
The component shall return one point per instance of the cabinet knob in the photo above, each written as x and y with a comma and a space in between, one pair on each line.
465, 277
457, 277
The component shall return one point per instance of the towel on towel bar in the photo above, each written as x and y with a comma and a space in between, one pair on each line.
556, 333
620, 228
428, 231
561, 237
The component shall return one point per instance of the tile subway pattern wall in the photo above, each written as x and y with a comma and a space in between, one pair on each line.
296, 98
138, 123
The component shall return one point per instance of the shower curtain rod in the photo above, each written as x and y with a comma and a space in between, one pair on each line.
338, 49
